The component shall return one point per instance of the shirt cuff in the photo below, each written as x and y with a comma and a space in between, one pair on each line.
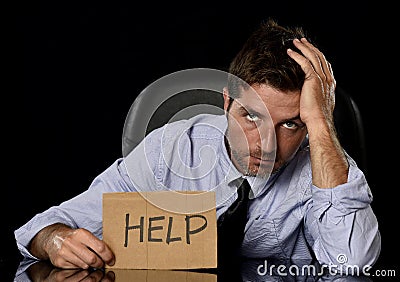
342, 199
25, 233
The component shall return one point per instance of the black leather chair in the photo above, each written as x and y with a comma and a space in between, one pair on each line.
347, 119
350, 128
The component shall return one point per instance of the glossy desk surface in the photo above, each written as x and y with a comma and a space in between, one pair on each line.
248, 270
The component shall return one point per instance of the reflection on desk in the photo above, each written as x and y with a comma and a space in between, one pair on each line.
249, 270
35, 271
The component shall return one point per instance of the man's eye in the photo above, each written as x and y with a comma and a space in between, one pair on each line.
252, 117
290, 125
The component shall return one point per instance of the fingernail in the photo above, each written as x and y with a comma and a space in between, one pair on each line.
111, 275
304, 39
296, 40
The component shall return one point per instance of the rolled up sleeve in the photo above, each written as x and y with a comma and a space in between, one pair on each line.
342, 223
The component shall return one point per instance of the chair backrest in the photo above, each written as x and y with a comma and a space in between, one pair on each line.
350, 128
182, 105
347, 118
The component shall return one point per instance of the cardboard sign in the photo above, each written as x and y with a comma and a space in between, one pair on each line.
161, 230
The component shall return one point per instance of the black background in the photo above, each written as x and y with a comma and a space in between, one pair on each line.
77, 67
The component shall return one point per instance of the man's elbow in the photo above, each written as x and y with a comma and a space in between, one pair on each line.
360, 258
368, 255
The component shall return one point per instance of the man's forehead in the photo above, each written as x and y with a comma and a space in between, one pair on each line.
251, 100
264, 99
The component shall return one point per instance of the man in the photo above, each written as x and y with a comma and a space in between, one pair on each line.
308, 198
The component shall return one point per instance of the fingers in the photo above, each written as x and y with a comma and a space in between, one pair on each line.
98, 247
73, 275
90, 250
326, 66
80, 249
318, 91
314, 60
96, 275
75, 254
109, 277
67, 259
68, 275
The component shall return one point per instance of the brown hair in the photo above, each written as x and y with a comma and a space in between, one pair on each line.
263, 60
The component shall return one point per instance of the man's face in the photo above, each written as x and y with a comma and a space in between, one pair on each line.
264, 129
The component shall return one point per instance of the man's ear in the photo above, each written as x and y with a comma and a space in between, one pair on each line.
227, 99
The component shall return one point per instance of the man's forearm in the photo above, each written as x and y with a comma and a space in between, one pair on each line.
328, 161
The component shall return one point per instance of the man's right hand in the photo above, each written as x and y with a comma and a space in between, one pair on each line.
66, 247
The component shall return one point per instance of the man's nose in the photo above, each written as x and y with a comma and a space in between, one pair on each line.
267, 141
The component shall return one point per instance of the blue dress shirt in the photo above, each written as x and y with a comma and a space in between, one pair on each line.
289, 217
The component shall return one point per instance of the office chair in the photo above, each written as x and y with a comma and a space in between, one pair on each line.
347, 118
350, 128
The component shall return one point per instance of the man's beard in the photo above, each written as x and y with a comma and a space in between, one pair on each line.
253, 170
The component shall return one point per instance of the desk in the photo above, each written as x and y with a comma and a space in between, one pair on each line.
248, 270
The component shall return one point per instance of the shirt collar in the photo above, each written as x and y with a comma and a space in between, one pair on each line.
260, 185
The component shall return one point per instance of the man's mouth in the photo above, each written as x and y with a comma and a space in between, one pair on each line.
262, 160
